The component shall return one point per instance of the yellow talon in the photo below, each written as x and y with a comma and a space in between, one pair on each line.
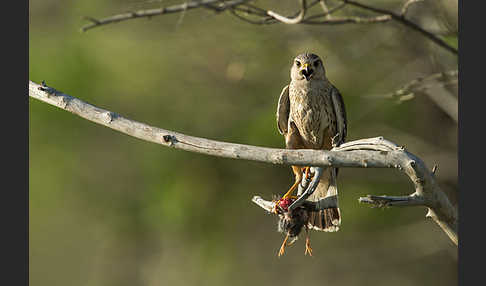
282, 248
307, 169
308, 248
291, 190
296, 184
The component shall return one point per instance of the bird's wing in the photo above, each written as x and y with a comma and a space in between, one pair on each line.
340, 111
283, 110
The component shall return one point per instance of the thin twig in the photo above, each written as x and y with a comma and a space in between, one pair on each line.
351, 20
389, 201
181, 17
271, 17
417, 83
245, 19
365, 153
262, 16
448, 103
285, 20
407, 5
401, 19
326, 15
325, 9
160, 11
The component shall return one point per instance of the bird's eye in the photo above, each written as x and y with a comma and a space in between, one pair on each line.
316, 63
297, 63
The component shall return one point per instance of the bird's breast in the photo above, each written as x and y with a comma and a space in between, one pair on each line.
309, 110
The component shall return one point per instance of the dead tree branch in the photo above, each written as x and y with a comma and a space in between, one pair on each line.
250, 13
407, 5
446, 102
216, 5
364, 153
285, 20
325, 9
400, 18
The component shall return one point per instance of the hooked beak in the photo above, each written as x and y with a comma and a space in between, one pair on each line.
307, 71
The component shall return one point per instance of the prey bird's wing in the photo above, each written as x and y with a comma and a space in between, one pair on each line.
283, 110
340, 111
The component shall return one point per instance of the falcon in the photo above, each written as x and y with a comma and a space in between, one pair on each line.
310, 115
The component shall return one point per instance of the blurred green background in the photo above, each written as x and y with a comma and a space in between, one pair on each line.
109, 209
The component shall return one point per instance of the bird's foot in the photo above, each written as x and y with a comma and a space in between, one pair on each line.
283, 204
335, 140
287, 198
308, 173
308, 248
282, 248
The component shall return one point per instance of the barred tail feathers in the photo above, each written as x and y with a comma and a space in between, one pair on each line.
327, 218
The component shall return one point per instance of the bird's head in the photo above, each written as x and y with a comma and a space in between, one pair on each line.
307, 67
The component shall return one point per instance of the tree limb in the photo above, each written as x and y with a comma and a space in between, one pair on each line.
446, 102
325, 9
160, 11
365, 153
296, 20
400, 18
265, 16
407, 6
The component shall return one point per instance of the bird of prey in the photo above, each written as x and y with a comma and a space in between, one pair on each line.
311, 115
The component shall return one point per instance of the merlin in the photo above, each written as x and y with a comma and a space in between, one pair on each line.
311, 115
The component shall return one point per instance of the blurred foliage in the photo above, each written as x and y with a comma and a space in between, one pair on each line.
109, 209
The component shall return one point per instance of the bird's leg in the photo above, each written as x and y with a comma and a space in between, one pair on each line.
307, 173
293, 140
282, 248
288, 194
310, 188
308, 248
298, 178
334, 140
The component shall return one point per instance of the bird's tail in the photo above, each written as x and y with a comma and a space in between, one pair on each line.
328, 216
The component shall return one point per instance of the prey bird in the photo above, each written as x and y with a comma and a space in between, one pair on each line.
310, 115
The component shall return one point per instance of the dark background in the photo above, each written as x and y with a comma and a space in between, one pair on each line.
109, 209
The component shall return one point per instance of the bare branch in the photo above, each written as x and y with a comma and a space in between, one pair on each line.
351, 20
388, 201
164, 10
325, 9
407, 5
263, 20
417, 84
446, 102
400, 18
296, 20
270, 17
364, 153
326, 15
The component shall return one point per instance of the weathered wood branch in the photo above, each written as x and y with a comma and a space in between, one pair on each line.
365, 153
